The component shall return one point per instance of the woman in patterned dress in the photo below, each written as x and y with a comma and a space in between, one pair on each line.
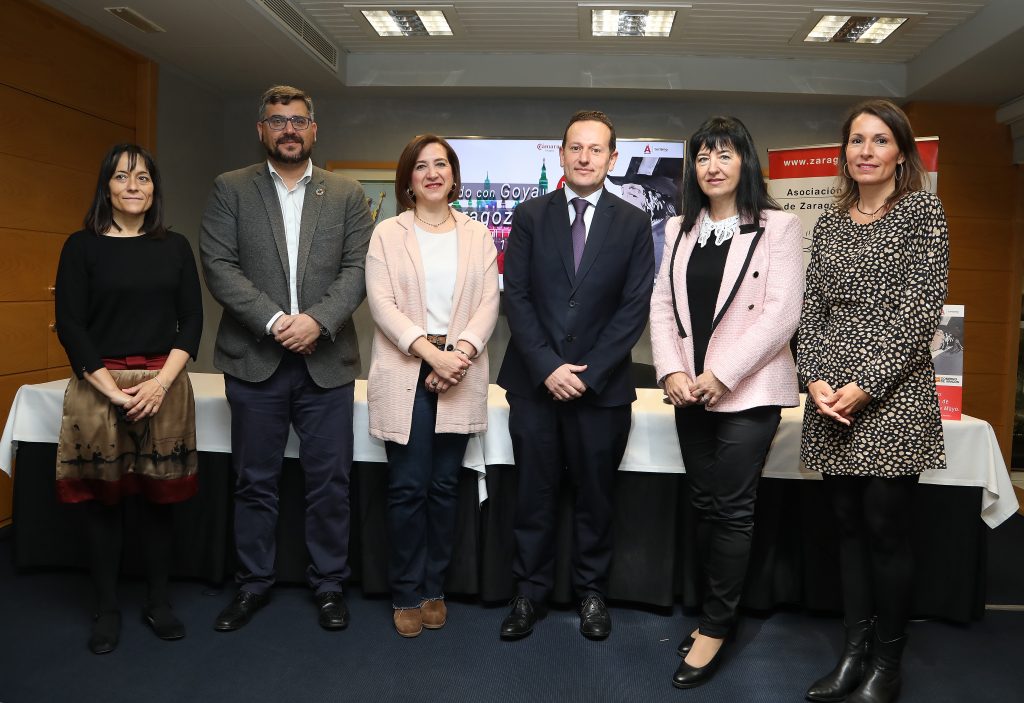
874, 293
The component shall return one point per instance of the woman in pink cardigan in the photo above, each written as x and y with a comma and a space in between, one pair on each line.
726, 303
432, 287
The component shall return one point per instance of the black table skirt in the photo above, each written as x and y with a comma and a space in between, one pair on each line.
794, 560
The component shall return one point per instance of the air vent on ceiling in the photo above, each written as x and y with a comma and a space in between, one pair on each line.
127, 14
310, 37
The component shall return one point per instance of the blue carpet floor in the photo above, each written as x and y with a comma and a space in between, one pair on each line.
283, 656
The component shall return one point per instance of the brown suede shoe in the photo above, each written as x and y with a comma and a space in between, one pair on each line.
408, 621
435, 613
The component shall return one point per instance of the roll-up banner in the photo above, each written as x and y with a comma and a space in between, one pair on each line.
947, 350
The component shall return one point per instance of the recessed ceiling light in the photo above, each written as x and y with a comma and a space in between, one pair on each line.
408, 23
854, 29
632, 23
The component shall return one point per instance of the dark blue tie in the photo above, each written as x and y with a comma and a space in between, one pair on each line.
579, 231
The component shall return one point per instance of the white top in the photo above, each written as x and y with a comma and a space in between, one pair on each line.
440, 255
588, 214
291, 211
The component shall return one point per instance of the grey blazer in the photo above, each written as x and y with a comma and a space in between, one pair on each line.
245, 262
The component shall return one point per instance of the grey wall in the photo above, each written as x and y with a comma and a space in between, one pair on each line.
190, 155
377, 128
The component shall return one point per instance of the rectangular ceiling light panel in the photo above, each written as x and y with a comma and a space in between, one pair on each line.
408, 23
854, 29
632, 23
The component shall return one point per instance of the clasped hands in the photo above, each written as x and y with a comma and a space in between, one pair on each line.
839, 405
447, 369
706, 389
564, 384
141, 400
296, 333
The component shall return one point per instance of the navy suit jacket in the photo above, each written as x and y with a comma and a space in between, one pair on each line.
593, 316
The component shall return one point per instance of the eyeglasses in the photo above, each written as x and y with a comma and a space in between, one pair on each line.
278, 122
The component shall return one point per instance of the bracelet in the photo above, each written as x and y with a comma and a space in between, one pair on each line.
460, 351
167, 389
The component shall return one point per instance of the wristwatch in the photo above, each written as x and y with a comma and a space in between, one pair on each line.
324, 332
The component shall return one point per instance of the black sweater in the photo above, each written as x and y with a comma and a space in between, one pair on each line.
122, 296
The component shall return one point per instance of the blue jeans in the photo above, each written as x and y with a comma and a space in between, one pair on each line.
423, 481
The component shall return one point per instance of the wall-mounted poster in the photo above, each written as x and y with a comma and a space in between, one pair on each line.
947, 350
378, 181
498, 174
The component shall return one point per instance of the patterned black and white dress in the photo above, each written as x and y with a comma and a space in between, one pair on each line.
874, 297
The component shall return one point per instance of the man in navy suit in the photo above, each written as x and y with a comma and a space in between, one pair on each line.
579, 268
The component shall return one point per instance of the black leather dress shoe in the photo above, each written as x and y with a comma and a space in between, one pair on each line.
685, 646
333, 610
520, 620
595, 622
106, 632
687, 676
240, 611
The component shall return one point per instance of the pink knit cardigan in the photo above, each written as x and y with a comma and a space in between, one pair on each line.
396, 293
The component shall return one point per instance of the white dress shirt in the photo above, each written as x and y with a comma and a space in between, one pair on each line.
291, 211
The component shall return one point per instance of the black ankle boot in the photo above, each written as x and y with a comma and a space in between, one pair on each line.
881, 683
836, 685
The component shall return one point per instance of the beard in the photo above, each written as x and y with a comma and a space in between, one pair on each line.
281, 157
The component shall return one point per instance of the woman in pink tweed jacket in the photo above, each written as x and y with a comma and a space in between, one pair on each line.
726, 303
432, 287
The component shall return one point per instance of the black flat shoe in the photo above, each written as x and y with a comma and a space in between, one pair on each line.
520, 620
163, 621
685, 646
106, 632
240, 611
687, 676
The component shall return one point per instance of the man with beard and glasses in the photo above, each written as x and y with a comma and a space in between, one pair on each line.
283, 245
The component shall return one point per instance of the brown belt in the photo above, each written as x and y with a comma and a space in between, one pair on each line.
439, 341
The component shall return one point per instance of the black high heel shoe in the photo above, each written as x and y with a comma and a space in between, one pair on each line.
685, 646
688, 676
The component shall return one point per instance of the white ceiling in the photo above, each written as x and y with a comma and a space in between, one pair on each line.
956, 50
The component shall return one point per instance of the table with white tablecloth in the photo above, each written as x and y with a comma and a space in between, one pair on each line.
652, 520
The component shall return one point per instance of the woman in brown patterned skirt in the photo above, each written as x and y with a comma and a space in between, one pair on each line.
875, 288
129, 314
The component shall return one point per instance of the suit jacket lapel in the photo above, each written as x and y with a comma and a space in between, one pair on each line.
740, 252
687, 241
557, 224
312, 204
265, 185
596, 236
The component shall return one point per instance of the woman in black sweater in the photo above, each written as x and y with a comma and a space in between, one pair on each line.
129, 314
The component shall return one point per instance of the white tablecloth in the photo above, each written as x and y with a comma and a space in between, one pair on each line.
972, 453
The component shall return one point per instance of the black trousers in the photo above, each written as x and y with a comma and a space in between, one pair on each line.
723, 454
549, 436
876, 559
261, 414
